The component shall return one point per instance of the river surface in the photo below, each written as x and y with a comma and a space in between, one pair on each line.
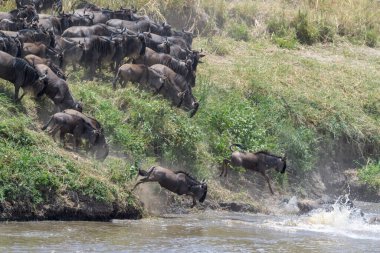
337, 230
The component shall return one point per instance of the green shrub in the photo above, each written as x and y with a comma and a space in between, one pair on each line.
277, 26
306, 32
238, 31
371, 38
370, 174
289, 43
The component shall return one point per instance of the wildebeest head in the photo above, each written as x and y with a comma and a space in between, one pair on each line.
200, 191
283, 159
28, 12
78, 106
100, 146
166, 29
65, 20
188, 101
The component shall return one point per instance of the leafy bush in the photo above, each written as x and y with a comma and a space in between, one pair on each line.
277, 26
370, 174
289, 43
306, 32
371, 38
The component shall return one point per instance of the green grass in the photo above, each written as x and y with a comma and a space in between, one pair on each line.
370, 174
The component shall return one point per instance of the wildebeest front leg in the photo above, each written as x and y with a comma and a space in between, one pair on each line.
267, 178
142, 180
194, 202
17, 91
226, 162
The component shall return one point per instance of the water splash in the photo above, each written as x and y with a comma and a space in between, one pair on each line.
339, 219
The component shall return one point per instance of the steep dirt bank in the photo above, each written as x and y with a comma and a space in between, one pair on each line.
336, 171
69, 206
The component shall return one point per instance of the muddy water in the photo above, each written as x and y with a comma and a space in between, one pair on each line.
338, 230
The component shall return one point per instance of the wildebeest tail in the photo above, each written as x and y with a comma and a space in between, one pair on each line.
237, 145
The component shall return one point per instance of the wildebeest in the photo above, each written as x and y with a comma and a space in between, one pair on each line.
34, 59
72, 51
27, 12
10, 44
70, 124
179, 92
175, 181
136, 26
185, 69
258, 161
87, 31
21, 74
139, 73
57, 90
9, 25
81, 127
41, 50
98, 144
41, 5
159, 47
37, 35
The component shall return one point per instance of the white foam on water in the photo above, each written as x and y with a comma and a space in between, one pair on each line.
339, 220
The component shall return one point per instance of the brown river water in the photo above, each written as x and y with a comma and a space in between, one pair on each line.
338, 230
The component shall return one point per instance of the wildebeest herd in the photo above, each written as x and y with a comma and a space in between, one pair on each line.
37, 49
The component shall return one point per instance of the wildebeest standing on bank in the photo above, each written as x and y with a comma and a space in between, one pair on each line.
259, 162
179, 92
97, 145
175, 181
34, 59
139, 73
21, 74
81, 127
57, 90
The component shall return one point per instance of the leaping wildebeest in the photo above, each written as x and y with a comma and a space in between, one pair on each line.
175, 181
259, 162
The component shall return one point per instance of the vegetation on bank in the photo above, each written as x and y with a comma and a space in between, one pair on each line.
252, 91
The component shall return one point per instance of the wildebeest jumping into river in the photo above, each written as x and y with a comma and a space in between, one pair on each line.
175, 181
259, 162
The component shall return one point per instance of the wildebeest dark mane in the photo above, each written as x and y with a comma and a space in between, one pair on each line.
30, 74
265, 152
103, 46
